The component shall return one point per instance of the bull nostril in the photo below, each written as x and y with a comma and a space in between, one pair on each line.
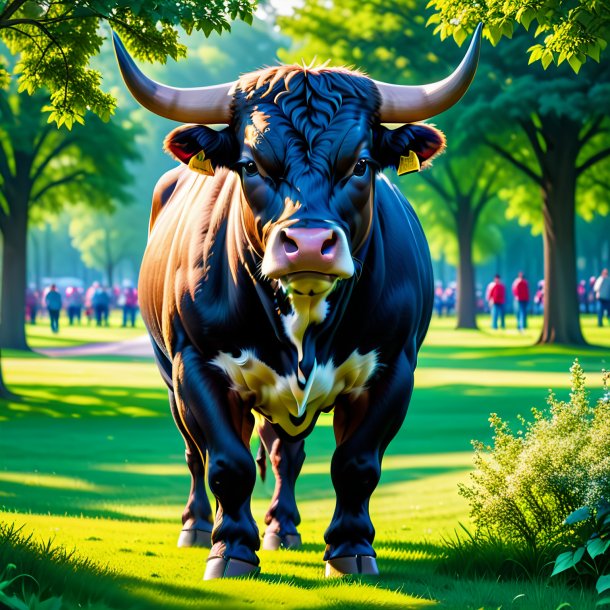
329, 244
290, 246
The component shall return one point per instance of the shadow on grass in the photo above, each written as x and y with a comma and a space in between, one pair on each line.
539, 358
53, 571
60, 401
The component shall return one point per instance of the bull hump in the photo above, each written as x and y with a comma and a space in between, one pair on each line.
282, 400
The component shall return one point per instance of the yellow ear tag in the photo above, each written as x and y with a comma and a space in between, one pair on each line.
408, 164
198, 163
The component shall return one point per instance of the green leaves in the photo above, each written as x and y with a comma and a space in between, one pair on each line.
565, 561
603, 584
53, 43
592, 556
569, 31
27, 601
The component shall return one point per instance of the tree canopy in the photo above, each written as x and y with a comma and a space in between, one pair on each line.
42, 170
561, 31
55, 42
106, 239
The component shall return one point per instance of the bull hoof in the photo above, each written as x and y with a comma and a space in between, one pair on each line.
195, 538
359, 564
273, 541
218, 567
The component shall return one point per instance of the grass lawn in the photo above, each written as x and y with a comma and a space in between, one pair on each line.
91, 459
40, 335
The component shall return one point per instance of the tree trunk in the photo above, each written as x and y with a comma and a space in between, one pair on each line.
466, 298
109, 258
561, 314
5, 393
12, 329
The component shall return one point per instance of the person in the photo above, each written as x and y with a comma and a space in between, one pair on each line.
32, 303
438, 298
591, 305
449, 297
74, 304
601, 288
128, 300
53, 302
496, 296
521, 292
88, 303
539, 298
101, 304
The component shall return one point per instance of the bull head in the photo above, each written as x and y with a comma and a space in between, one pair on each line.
308, 144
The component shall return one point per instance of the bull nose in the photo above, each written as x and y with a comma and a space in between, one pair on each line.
322, 250
309, 242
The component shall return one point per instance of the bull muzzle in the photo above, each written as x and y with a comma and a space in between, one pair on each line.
308, 260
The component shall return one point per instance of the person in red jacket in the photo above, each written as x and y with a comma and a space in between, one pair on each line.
521, 292
496, 297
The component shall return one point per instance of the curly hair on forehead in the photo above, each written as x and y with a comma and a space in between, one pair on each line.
310, 98
272, 75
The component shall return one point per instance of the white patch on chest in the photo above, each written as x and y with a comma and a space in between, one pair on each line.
278, 397
306, 310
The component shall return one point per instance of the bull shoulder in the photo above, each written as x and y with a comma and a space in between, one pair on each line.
163, 191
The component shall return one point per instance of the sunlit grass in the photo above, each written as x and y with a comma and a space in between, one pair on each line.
40, 335
90, 458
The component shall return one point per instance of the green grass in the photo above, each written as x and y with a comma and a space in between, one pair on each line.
40, 335
90, 458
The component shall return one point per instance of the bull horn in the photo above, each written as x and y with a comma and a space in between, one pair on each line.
405, 104
195, 105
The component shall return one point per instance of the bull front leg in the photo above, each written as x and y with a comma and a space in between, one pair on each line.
224, 426
197, 514
283, 517
363, 429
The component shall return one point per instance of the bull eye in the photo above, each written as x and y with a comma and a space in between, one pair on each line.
250, 168
360, 167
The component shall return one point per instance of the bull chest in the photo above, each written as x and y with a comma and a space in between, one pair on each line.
284, 401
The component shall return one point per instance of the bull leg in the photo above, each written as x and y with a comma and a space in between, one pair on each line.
283, 516
222, 426
356, 468
197, 515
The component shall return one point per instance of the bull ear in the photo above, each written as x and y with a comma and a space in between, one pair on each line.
408, 147
199, 146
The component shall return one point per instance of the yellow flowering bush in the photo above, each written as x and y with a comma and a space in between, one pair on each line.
527, 482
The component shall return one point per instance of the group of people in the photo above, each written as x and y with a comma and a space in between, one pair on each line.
96, 303
496, 297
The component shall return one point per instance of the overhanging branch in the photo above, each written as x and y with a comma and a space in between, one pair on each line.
593, 130
518, 164
73, 177
10, 8
440, 189
51, 155
591, 161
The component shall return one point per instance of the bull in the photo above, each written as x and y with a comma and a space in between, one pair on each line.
286, 277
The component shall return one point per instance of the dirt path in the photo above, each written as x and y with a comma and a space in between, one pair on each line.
139, 347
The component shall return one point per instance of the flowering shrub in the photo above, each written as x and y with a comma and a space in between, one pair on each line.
527, 483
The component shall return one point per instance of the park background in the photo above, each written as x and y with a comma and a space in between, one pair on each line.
89, 456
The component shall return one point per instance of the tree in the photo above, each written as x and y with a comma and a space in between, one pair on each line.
565, 30
56, 40
105, 239
381, 36
551, 127
45, 168
465, 186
